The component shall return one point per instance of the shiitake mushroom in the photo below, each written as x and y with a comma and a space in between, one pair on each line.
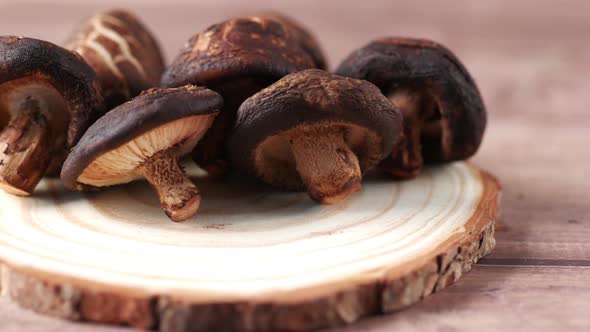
238, 58
122, 51
48, 97
143, 138
444, 114
314, 131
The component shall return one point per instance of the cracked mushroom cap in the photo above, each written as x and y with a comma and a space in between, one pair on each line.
120, 141
122, 51
240, 47
60, 79
444, 113
235, 58
314, 130
306, 39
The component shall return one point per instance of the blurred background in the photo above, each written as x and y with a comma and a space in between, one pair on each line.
530, 59
517, 50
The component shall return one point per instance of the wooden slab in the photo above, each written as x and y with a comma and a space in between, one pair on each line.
253, 259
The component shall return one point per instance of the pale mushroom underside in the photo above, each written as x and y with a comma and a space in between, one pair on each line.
117, 166
276, 163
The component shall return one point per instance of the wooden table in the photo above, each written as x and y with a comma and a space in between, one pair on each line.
530, 59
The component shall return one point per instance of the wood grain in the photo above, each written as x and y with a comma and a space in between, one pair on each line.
275, 261
498, 298
529, 58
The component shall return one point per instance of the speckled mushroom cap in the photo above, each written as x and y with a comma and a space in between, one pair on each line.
306, 39
150, 110
34, 60
122, 51
313, 98
239, 47
236, 58
430, 68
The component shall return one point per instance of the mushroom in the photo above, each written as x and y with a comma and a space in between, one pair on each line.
123, 53
236, 58
48, 97
306, 39
316, 131
144, 138
444, 115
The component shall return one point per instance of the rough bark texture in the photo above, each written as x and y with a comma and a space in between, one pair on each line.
71, 302
392, 289
534, 79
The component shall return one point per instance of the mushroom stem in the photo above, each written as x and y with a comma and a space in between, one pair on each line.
25, 149
179, 197
406, 158
327, 166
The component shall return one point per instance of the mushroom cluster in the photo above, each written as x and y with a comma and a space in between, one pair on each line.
251, 94
50, 95
237, 58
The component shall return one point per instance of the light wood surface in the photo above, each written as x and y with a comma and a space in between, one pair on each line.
252, 259
529, 58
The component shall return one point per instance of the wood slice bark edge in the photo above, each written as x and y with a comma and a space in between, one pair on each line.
389, 291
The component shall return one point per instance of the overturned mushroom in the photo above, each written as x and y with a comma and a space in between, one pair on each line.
144, 138
48, 97
123, 53
444, 115
236, 58
315, 130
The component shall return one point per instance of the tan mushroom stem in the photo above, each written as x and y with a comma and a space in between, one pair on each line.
25, 149
325, 163
179, 197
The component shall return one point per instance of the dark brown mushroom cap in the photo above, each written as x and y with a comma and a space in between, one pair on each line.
122, 51
149, 110
306, 39
313, 97
240, 47
64, 70
428, 67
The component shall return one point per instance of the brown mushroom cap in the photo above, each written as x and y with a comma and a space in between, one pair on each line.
48, 98
144, 138
444, 113
236, 58
312, 110
240, 47
122, 51
306, 39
